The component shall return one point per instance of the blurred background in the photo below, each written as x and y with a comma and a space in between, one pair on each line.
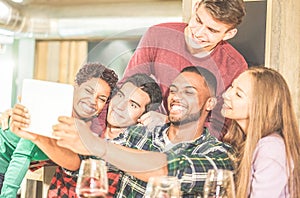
51, 39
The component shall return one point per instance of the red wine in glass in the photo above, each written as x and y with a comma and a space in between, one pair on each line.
91, 188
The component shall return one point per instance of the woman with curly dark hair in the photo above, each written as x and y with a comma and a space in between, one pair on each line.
94, 84
89, 79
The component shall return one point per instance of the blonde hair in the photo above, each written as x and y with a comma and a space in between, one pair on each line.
271, 111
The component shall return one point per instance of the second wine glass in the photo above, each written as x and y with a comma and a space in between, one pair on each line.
92, 179
219, 184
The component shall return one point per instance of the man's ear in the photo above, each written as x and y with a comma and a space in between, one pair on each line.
230, 34
210, 103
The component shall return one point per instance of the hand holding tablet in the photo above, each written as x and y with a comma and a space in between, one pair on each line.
46, 101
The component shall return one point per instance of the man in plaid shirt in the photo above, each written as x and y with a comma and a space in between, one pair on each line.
183, 148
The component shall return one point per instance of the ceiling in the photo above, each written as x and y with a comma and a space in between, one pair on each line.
72, 2
77, 18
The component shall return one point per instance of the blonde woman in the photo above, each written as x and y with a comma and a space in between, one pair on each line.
265, 133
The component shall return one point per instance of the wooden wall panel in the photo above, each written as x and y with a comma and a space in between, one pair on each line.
59, 61
41, 57
283, 43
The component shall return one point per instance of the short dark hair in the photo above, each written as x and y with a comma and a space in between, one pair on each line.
148, 85
209, 77
96, 70
230, 12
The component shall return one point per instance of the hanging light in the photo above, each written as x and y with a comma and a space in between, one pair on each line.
5, 12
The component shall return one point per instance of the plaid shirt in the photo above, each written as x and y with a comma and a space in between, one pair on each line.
189, 161
35, 165
63, 183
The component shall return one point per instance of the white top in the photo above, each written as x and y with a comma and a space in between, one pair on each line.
269, 177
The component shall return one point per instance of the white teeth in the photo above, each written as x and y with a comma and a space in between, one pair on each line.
225, 105
87, 108
175, 107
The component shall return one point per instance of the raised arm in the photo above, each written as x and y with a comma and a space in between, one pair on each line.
77, 137
61, 156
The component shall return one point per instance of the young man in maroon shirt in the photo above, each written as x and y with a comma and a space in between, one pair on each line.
165, 49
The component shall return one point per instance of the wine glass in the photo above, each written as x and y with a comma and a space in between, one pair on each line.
92, 179
219, 184
163, 187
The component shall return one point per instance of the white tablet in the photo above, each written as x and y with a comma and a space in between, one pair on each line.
46, 101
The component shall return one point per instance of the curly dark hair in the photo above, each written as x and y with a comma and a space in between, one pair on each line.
96, 70
148, 85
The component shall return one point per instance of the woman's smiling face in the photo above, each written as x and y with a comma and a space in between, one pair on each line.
90, 97
237, 100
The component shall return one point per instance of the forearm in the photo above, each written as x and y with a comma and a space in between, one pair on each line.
141, 164
144, 176
80, 140
61, 156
